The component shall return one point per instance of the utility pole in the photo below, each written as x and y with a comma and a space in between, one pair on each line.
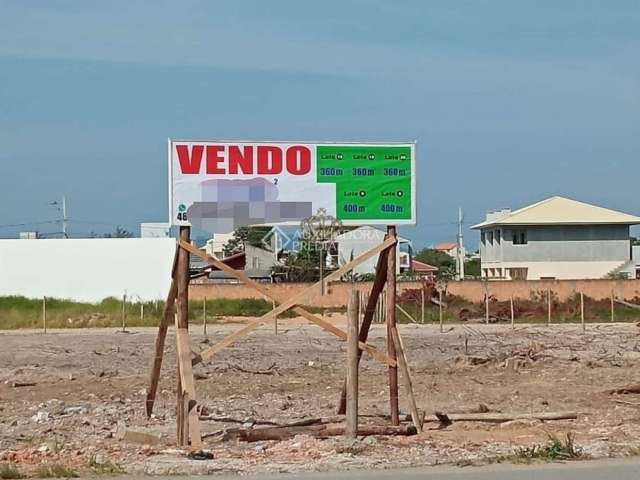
461, 253
62, 207
64, 217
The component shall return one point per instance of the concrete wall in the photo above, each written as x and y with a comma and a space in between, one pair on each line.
338, 293
87, 269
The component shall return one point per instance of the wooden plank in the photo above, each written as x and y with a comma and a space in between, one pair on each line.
182, 321
188, 386
373, 304
391, 323
406, 314
408, 384
503, 417
353, 314
286, 305
156, 365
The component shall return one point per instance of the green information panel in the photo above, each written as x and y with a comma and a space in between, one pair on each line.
373, 183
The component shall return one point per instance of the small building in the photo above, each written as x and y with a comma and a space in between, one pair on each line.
257, 263
557, 238
635, 259
215, 245
423, 270
449, 248
355, 242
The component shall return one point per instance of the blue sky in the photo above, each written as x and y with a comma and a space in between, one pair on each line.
510, 102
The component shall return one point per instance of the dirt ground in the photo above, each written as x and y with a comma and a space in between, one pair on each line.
63, 394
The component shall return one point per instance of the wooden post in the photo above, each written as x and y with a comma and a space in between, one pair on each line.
275, 319
548, 306
375, 302
486, 302
182, 321
408, 383
44, 314
141, 310
204, 316
440, 307
582, 311
391, 323
422, 304
613, 314
353, 314
167, 316
124, 312
513, 316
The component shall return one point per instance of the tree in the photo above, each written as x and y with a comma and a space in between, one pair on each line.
472, 268
445, 263
119, 232
241, 235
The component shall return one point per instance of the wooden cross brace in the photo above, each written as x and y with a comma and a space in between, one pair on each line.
291, 303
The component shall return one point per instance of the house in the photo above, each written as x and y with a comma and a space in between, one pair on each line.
355, 242
215, 245
449, 248
423, 270
257, 263
557, 238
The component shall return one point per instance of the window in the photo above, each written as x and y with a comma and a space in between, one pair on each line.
498, 237
482, 237
491, 237
519, 237
518, 273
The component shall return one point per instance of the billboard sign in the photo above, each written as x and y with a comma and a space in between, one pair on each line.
218, 186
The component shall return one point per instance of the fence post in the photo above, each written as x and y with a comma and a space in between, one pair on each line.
582, 310
204, 316
422, 305
513, 316
141, 310
124, 312
486, 302
548, 306
613, 314
275, 319
44, 314
440, 307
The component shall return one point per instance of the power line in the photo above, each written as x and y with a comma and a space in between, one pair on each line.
26, 224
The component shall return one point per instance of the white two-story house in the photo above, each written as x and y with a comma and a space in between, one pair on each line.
557, 238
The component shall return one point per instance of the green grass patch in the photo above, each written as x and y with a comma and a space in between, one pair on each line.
55, 470
106, 467
555, 449
9, 471
20, 312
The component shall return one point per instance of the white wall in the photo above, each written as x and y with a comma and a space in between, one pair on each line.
87, 269
558, 270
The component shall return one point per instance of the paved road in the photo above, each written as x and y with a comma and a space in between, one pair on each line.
596, 470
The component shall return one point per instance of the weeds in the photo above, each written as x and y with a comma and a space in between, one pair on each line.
106, 467
55, 470
555, 449
9, 471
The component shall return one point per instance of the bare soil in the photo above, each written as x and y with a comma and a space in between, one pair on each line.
86, 381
